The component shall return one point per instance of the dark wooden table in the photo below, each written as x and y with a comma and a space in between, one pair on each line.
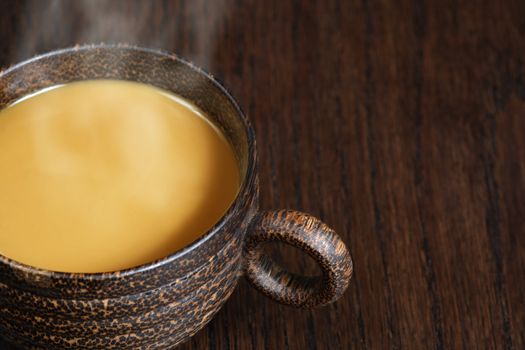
400, 123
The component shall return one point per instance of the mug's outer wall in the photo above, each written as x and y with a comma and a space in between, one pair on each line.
155, 319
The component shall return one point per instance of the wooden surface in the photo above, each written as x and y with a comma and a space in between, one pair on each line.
399, 123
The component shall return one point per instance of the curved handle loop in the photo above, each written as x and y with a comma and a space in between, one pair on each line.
313, 237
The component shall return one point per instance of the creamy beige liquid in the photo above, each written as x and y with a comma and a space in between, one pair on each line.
98, 176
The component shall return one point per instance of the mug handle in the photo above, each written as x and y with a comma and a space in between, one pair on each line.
313, 237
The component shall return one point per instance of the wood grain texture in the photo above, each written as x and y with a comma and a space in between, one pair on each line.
312, 237
399, 123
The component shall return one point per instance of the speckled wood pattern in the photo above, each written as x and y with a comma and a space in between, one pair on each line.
312, 236
161, 304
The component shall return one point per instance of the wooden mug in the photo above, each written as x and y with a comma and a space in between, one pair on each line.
161, 304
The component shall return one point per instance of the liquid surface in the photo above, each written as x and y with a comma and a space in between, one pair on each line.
99, 176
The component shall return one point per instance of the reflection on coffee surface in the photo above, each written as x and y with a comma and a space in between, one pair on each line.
104, 175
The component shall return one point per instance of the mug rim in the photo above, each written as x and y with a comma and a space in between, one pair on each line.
248, 178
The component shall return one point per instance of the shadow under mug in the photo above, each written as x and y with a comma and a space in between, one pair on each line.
163, 303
